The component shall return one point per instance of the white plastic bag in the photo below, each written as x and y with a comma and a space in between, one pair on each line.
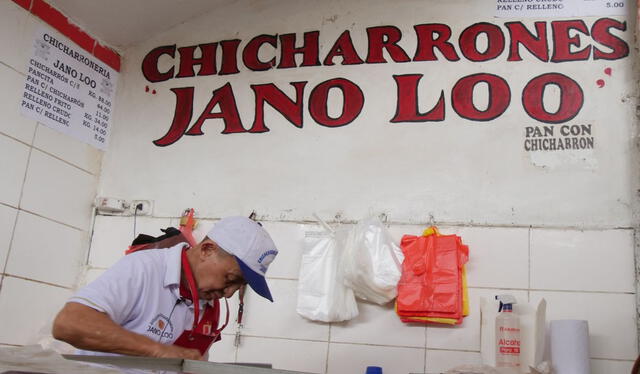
322, 295
371, 262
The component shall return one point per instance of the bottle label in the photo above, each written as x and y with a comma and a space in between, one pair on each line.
509, 346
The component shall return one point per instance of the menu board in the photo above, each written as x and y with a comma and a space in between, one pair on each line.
560, 8
69, 90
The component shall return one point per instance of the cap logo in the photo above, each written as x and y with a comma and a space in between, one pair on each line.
266, 258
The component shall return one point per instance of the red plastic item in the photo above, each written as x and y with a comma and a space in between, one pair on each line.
431, 281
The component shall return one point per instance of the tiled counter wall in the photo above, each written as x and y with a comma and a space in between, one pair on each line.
583, 274
47, 186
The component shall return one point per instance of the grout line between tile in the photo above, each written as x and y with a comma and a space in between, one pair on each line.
12, 68
426, 223
326, 359
9, 206
37, 281
529, 264
550, 290
6, 260
15, 223
38, 124
424, 361
11, 345
454, 350
61, 159
53, 220
385, 345
15, 139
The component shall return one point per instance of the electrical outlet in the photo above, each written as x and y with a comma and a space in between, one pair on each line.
110, 205
141, 207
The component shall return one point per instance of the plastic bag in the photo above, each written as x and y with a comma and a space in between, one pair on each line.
431, 283
322, 295
371, 262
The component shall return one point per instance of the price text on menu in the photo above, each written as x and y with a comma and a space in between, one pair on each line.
560, 8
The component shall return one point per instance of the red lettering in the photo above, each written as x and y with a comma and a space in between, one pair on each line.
291, 110
536, 44
427, 43
229, 57
407, 101
601, 34
352, 102
228, 112
207, 60
344, 48
251, 51
571, 98
387, 38
309, 50
150, 64
462, 97
469, 37
181, 117
563, 43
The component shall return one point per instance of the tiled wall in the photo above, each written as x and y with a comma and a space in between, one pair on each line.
47, 185
582, 275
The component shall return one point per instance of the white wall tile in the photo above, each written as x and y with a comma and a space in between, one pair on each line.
13, 163
89, 275
279, 319
610, 367
68, 148
31, 308
13, 123
54, 254
611, 317
284, 354
59, 191
440, 361
583, 260
466, 336
378, 324
498, 257
354, 358
7, 223
223, 351
17, 28
289, 239
398, 231
112, 235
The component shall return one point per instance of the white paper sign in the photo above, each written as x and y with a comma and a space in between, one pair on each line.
560, 8
69, 90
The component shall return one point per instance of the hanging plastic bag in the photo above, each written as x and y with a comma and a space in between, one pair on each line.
431, 283
371, 262
322, 295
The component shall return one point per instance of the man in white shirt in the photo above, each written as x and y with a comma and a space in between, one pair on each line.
165, 302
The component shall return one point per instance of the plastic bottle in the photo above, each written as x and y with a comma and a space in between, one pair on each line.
507, 336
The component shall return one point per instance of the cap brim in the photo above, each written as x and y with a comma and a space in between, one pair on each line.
256, 281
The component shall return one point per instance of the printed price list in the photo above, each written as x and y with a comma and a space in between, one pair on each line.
69, 90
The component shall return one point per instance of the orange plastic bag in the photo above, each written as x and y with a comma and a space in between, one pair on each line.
431, 288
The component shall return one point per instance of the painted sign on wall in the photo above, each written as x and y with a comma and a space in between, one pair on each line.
551, 43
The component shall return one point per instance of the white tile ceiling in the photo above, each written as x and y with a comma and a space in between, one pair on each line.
122, 23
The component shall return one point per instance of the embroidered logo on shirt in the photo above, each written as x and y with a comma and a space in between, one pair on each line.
161, 326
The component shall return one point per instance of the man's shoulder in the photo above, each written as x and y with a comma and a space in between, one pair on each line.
150, 260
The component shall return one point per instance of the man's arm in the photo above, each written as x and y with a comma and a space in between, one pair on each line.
86, 328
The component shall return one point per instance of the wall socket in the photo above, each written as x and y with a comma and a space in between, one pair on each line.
145, 210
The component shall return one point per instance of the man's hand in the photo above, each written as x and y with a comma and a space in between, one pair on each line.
86, 328
173, 351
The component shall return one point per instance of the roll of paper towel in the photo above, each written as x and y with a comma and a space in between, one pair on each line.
570, 346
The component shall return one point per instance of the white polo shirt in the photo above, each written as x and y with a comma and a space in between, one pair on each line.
140, 293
